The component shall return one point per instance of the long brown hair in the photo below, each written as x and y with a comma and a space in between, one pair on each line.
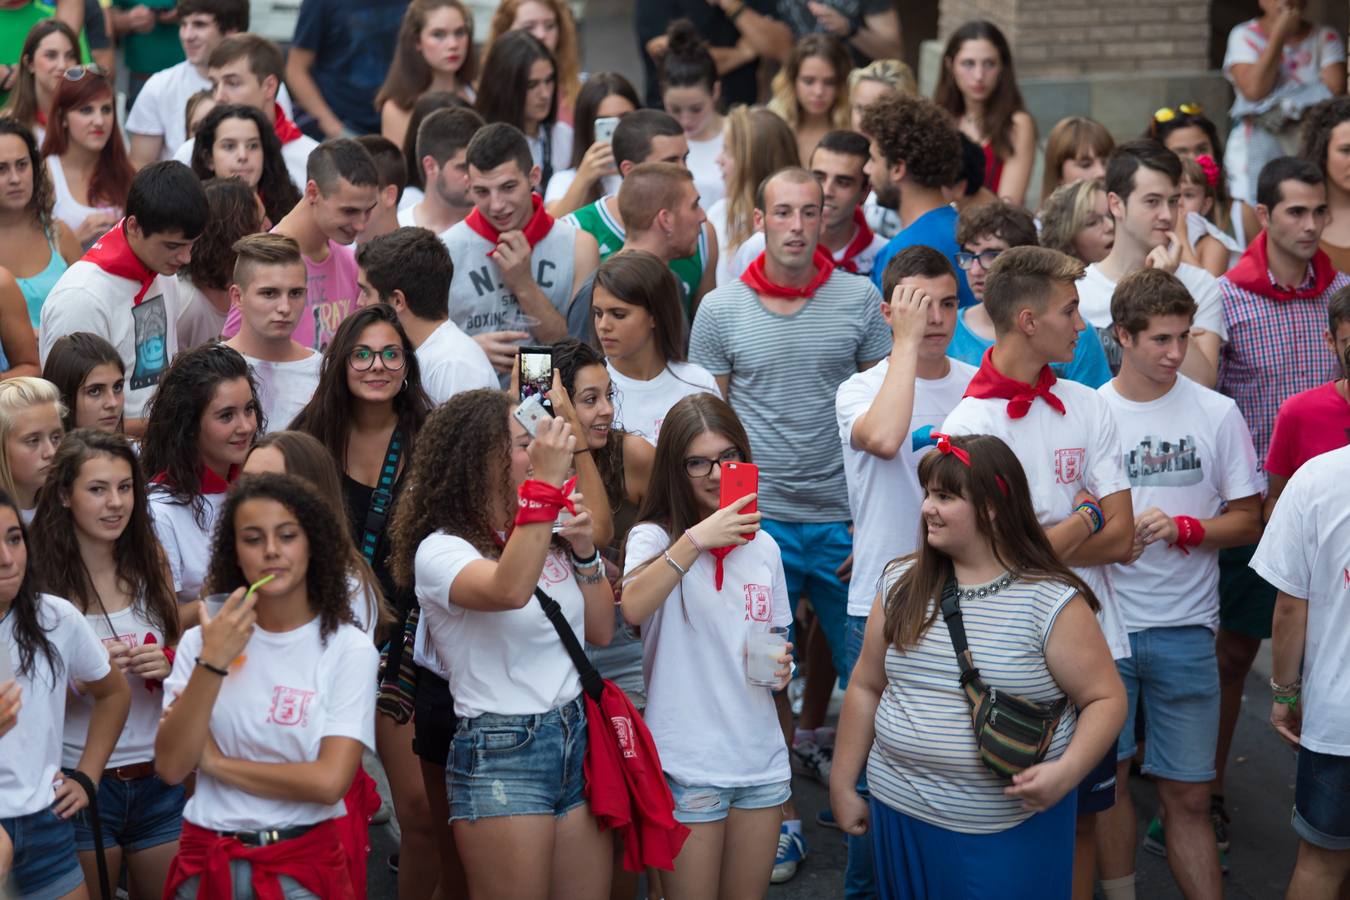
42, 199
759, 143
23, 102
111, 181
996, 486
1006, 99
57, 561
568, 55
409, 75
813, 46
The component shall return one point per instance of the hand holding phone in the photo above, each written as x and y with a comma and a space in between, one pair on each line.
535, 377
740, 479
530, 413
604, 128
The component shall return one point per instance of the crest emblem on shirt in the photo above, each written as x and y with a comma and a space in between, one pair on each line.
1069, 464
758, 603
554, 571
290, 706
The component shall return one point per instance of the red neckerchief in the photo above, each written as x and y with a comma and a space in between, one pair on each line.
759, 282
861, 241
719, 554
991, 383
540, 224
208, 481
114, 255
40, 117
1252, 273
284, 127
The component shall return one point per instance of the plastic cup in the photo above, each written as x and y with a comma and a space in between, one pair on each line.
215, 603
763, 649
521, 322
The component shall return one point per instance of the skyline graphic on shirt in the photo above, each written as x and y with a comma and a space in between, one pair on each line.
1159, 462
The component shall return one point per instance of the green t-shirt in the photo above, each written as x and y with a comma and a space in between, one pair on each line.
157, 49
14, 27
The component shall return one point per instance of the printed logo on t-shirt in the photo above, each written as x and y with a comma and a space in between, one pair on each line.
328, 315
1069, 464
623, 730
1164, 463
152, 342
554, 571
290, 706
132, 641
758, 603
1345, 579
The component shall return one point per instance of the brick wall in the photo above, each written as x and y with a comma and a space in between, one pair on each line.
1056, 38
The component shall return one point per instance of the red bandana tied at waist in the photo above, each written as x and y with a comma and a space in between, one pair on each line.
989, 383
315, 860
759, 282
1252, 273
284, 127
861, 241
540, 224
114, 255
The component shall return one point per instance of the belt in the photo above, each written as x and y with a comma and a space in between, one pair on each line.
133, 772
273, 836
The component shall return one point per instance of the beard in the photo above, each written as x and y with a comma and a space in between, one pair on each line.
888, 195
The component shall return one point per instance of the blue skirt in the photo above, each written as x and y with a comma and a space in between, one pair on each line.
1030, 861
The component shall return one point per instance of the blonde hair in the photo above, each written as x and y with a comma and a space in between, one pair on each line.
1064, 212
1063, 143
759, 144
1022, 277
566, 59
893, 73
823, 46
17, 395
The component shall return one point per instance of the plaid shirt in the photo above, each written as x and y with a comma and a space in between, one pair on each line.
1274, 351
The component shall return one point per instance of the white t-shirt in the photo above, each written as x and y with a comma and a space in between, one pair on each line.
711, 726
285, 387
732, 261
560, 151
411, 197
137, 744
186, 544
1186, 453
290, 691
1094, 303
406, 217
450, 362
1303, 554
641, 406
30, 754
160, 106
87, 298
563, 178
884, 494
295, 154
198, 319
510, 662
702, 164
1061, 454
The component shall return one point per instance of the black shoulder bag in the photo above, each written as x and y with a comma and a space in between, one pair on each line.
398, 679
1012, 732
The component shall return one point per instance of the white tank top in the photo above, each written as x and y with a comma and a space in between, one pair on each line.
67, 208
480, 302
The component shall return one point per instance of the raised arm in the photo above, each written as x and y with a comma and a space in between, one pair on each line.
884, 427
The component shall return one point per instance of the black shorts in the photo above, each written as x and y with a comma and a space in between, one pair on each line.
433, 718
1097, 793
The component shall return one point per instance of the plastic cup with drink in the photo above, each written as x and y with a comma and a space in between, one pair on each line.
763, 648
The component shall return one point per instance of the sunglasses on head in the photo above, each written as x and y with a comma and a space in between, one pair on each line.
75, 73
1167, 113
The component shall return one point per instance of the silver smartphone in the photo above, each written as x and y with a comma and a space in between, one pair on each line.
604, 128
530, 413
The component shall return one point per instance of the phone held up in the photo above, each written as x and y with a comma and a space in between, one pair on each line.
738, 480
536, 375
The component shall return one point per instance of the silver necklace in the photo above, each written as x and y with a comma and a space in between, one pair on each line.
988, 590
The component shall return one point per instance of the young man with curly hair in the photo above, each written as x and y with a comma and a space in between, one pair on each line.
915, 153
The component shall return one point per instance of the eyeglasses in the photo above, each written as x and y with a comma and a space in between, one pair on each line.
966, 260
701, 466
1167, 113
363, 357
75, 73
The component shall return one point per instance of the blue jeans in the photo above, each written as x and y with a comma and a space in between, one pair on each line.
709, 803
812, 551
1176, 672
135, 815
45, 865
518, 765
860, 877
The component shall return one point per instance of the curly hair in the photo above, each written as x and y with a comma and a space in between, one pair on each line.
234, 214
328, 415
169, 449
470, 428
567, 56
813, 46
326, 585
278, 193
918, 133
569, 358
58, 562
42, 199
1321, 121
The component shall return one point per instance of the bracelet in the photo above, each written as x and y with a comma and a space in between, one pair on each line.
215, 670
592, 578
1095, 511
670, 561
588, 562
689, 534
1292, 687
1287, 700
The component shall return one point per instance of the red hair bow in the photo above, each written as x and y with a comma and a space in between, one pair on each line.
1210, 168
944, 445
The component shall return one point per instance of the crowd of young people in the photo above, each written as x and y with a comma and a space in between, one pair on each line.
1032, 485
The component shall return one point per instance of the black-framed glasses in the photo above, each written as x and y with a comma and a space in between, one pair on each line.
363, 357
966, 260
701, 466
75, 73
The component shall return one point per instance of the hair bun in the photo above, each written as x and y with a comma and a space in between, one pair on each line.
682, 38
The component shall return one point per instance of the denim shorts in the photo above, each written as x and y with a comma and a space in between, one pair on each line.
705, 803
1322, 799
1177, 674
135, 815
518, 765
812, 551
45, 864
241, 885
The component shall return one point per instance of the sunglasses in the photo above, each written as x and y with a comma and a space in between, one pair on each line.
1167, 113
75, 73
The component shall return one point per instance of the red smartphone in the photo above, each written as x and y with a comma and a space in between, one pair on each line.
739, 479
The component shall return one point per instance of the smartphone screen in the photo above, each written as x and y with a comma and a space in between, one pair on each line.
739, 479
536, 374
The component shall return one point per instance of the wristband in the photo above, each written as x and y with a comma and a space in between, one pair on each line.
540, 501
586, 562
1292, 688
1189, 533
688, 533
216, 670
670, 561
1287, 700
1095, 511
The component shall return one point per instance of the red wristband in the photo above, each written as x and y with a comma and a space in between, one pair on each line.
1189, 533
540, 501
